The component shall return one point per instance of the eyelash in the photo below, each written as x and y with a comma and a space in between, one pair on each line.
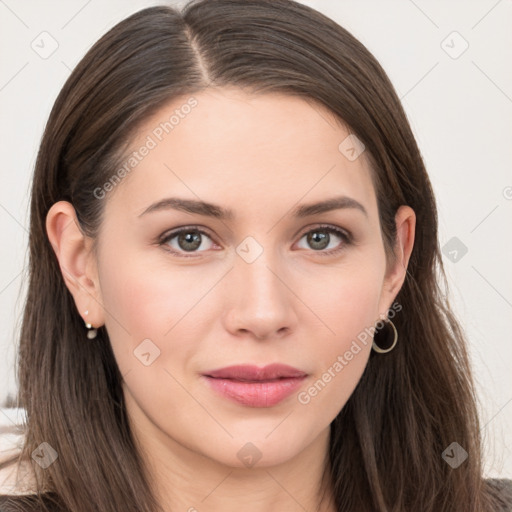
344, 235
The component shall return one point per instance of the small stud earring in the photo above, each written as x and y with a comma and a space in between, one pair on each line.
91, 333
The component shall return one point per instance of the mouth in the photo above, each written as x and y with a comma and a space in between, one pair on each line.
256, 374
255, 387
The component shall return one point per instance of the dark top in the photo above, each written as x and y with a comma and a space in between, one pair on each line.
502, 490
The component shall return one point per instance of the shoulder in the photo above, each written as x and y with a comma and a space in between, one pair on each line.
18, 489
501, 490
16, 477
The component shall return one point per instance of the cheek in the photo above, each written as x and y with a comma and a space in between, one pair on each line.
144, 293
329, 391
348, 308
144, 301
347, 301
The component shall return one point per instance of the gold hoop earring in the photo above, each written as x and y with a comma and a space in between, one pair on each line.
395, 340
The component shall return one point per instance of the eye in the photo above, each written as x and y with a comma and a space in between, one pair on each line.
191, 239
320, 238
188, 240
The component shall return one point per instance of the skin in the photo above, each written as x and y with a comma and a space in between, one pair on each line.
260, 156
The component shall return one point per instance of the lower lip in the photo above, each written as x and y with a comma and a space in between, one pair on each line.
256, 394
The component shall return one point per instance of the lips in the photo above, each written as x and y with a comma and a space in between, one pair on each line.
255, 387
255, 374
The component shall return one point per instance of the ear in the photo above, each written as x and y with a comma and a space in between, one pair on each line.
76, 260
405, 220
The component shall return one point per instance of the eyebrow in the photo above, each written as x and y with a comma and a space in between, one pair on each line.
218, 212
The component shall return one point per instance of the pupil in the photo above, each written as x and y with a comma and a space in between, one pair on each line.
190, 239
319, 238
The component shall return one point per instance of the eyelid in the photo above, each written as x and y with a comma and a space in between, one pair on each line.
331, 227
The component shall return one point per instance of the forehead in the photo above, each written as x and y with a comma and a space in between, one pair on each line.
249, 149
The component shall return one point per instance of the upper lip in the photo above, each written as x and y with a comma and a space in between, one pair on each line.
255, 373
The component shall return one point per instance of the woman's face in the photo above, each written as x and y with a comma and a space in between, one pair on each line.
261, 286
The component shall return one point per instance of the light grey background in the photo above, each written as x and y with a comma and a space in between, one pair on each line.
459, 104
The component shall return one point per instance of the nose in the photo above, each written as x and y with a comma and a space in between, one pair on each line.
261, 299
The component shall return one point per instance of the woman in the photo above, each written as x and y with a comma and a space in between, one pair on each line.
233, 296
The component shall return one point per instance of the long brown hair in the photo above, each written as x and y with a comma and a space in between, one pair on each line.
387, 442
